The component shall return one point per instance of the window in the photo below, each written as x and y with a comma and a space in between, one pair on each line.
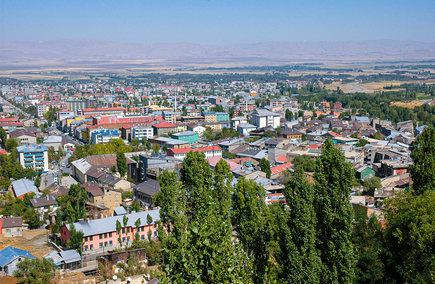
91, 247
123, 239
123, 230
86, 248
8, 231
155, 233
105, 235
110, 243
101, 245
86, 239
101, 236
143, 237
142, 228
105, 244
116, 195
110, 235
128, 230
128, 239
90, 238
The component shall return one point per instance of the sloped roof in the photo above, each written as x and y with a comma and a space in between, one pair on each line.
149, 187
214, 160
277, 169
12, 222
70, 256
99, 226
10, 253
23, 186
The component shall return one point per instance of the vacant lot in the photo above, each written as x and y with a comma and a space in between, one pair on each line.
33, 241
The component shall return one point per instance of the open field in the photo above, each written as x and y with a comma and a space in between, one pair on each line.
34, 241
379, 86
408, 104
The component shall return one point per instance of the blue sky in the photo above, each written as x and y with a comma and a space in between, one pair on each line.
217, 22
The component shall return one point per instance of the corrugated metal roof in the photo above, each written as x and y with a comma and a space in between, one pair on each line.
70, 256
11, 253
23, 186
105, 225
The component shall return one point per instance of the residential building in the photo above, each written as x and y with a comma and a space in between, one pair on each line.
41, 109
263, 118
11, 227
237, 121
101, 234
12, 126
68, 259
164, 128
23, 186
107, 196
210, 116
23, 137
209, 151
9, 259
145, 192
33, 156
141, 131
169, 116
231, 143
196, 128
53, 141
189, 136
169, 142
150, 167
110, 119
76, 105
104, 136
245, 128
102, 111
222, 116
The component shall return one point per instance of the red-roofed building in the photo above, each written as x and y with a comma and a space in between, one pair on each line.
108, 119
101, 111
275, 197
245, 161
277, 170
164, 128
282, 159
9, 119
214, 160
3, 152
209, 151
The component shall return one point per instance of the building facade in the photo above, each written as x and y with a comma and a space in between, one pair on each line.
33, 156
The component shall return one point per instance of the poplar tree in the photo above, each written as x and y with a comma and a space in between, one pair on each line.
250, 218
195, 210
334, 178
299, 259
423, 169
121, 162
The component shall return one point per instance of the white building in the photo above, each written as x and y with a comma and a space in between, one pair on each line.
41, 109
198, 129
33, 156
209, 151
139, 132
245, 128
262, 118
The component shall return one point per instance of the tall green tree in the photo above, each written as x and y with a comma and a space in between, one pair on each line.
423, 169
250, 219
299, 259
121, 162
3, 136
305, 162
409, 238
368, 241
76, 239
265, 167
334, 178
11, 145
34, 270
199, 247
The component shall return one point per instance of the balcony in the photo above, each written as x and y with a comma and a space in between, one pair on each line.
39, 159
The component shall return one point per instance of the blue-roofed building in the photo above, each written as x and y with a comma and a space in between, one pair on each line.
420, 129
104, 136
33, 156
9, 259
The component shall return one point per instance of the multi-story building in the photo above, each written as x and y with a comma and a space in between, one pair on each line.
41, 109
24, 137
33, 156
76, 105
262, 118
210, 117
102, 111
104, 136
189, 136
103, 195
209, 151
12, 126
169, 116
164, 128
101, 234
63, 114
141, 131
222, 116
109, 119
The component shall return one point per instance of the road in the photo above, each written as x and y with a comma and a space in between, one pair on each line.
15, 109
355, 88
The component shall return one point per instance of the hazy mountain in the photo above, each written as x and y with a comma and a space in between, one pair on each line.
89, 52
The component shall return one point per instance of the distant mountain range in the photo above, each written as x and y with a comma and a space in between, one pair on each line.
90, 53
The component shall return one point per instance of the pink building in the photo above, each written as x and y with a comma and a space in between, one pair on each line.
100, 234
109, 119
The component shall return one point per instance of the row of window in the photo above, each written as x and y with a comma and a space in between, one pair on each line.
110, 243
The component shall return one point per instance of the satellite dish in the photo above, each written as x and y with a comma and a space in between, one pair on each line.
115, 277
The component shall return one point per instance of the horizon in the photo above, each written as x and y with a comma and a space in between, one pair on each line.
217, 22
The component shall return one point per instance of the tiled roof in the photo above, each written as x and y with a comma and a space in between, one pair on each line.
12, 222
164, 125
214, 160
277, 169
